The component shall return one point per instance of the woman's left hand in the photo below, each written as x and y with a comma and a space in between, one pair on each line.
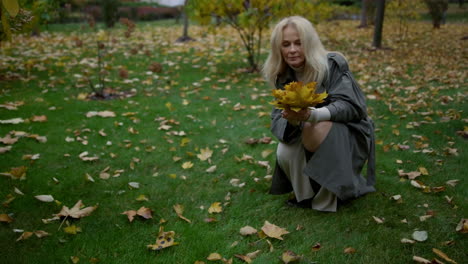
301, 115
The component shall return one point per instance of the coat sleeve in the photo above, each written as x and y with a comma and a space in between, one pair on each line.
282, 129
346, 100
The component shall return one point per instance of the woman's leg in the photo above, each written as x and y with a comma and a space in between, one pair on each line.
314, 134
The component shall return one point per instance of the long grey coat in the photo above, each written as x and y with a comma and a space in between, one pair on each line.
338, 162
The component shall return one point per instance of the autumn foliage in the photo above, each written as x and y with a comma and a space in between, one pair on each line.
296, 96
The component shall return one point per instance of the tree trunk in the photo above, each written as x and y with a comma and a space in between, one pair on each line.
379, 19
363, 14
185, 37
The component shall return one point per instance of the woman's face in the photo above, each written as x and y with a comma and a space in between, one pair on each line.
291, 47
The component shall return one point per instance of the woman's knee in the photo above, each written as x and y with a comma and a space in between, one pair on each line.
314, 134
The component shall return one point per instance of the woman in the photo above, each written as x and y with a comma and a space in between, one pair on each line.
322, 150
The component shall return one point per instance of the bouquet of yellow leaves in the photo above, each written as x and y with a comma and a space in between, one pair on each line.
297, 96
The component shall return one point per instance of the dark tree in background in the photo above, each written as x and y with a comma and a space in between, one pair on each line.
437, 10
379, 19
109, 10
367, 13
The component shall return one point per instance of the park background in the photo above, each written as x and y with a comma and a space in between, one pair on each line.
157, 119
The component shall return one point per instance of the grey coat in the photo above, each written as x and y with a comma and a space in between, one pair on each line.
338, 163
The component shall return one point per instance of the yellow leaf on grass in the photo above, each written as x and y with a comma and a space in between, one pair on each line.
243, 258
205, 154
274, 231
164, 240
423, 171
72, 230
214, 256
24, 236
187, 165
349, 250
74, 259
215, 208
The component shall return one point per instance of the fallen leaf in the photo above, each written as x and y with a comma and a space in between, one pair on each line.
378, 220
16, 173
45, 198
24, 236
243, 258
72, 230
164, 240
5, 149
289, 256
452, 183
316, 247
179, 209
421, 260
254, 254
187, 165
407, 241
214, 256
248, 230
41, 233
14, 121
74, 259
273, 231
130, 214
100, 113
211, 169
145, 212
215, 208
205, 154
443, 255
134, 185
349, 250
462, 226
76, 211
41, 118
5, 218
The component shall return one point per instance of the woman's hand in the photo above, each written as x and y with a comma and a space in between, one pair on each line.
296, 117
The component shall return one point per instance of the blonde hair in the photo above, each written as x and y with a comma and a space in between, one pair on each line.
316, 63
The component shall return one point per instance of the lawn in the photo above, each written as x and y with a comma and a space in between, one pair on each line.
196, 136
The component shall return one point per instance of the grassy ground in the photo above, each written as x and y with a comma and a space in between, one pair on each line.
416, 95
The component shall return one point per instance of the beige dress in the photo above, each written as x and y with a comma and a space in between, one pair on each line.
291, 158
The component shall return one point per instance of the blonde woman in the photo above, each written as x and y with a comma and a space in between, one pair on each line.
321, 150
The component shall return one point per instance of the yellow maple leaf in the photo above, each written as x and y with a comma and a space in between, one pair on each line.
297, 96
215, 208
205, 154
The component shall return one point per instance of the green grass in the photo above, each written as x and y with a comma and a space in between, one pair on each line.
210, 119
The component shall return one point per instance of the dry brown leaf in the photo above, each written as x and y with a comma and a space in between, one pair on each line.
145, 212
462, 226
179, 209
443, 255
243, 258
253, 255
316, 247
24, 236
289, 256
248, 230
205, 154
5, 149
5, 218
41, 233
76, 211
130, 214
273, 231
8, 140
349, 250
421, 260
16, 173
